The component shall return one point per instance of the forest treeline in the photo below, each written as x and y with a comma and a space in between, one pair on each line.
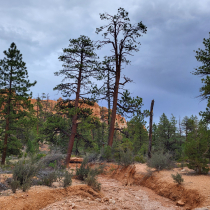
81, 133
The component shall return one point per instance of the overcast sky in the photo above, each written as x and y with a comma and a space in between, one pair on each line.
160, 69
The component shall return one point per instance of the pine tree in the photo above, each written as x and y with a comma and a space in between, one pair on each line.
189, 124
196, 149
203, 56
138, 134
166, 133
14, 96
122, 37
79, 65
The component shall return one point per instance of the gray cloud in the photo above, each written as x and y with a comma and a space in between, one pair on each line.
160, 70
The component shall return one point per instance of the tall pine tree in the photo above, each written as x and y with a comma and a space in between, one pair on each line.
14, 96
79, 65
122, 36
203, 56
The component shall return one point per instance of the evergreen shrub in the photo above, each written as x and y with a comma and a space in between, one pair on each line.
49, 178
87, 174
177, 178
39, 156
67, 181
52, 164
14, 185
161, 160
106, 153
23, 172
83, 170
26, 185
93, 157
139, 159
51, 159
92, 181
197, 151
126, 158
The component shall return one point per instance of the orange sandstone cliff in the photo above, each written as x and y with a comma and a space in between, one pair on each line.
97, 111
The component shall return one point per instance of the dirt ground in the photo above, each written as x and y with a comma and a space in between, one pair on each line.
192, 181
124, 188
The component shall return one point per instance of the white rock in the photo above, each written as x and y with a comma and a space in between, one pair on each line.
113, 201
180, 203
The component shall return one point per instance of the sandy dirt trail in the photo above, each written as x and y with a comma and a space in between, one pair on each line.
121, 188
116, 197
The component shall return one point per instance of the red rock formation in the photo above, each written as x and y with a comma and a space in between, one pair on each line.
100, 112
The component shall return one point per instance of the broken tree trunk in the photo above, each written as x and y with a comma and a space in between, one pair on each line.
150, 129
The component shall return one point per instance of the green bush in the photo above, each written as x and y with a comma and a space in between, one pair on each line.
14, 185
89, 175
14, 146
40, 155
199, 166
143, 150
139, 159
125, 158
20, 155
8, 161
52, 164
106, 153
51, 158
119, 150
32, 146
67, 181
197, 151
83, 170
24, 171
177, 178
92, 181
161, 160
49, 178
26, 185
36, 158
93, 157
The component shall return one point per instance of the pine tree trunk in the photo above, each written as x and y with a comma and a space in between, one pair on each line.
4, 153
74, 120
114, 108
77, 151
5, 142
71, 140
108, 97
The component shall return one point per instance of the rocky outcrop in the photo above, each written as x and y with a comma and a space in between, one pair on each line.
120, 121
97, 111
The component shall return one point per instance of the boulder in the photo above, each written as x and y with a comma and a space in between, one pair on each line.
180, 203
